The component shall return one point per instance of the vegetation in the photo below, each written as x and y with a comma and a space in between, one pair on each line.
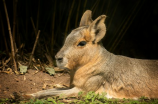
89, 98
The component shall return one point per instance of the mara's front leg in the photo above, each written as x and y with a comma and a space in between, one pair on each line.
93, 83
53, 92
98, 85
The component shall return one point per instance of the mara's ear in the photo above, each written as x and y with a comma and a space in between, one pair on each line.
97, 29
86, 18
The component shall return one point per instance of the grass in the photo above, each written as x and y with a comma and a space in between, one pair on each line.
89, 98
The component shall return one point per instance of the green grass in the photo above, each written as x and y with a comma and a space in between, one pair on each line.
89, 98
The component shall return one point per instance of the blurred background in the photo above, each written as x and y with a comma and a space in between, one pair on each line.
132, 25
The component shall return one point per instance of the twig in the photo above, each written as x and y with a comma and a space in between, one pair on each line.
107, 10
14, 27
36, 69
113, 13
11, 38
33, 48
68, 20
76, 21
14, 21
34, 28
53, 25
3, 33
49, 58
102, 7
4, 64
85, 3
18, 34
95, 6
37, 22
26, 21
42, 68
126, 25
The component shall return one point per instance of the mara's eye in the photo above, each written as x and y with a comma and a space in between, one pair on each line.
82, 43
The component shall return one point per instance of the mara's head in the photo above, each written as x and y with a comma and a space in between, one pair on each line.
83, 43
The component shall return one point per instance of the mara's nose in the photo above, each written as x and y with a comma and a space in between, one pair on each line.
59, 59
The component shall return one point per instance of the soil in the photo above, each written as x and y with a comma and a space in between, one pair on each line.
30, 82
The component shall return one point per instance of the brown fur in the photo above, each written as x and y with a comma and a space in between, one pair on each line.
93, 68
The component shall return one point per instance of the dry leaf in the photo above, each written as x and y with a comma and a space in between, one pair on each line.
44, 86
59, 86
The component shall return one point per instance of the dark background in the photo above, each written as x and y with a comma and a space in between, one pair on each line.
132, 26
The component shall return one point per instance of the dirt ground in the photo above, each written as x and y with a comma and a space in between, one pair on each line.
30, 82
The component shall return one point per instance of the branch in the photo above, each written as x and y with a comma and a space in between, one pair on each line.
11, 38
31, 56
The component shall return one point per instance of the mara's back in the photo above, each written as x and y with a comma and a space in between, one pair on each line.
132, 78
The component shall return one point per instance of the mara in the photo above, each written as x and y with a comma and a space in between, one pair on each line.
93, 68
